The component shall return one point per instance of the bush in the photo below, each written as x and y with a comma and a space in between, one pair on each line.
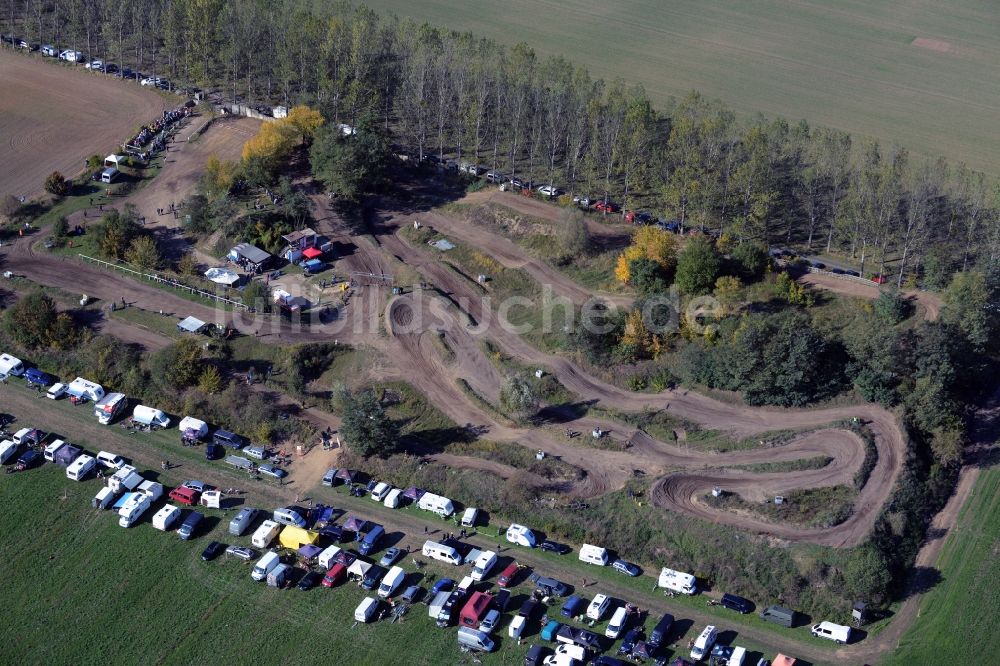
698, 266
56, 184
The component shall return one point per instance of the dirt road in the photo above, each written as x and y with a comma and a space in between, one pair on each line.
930, 302
54, 116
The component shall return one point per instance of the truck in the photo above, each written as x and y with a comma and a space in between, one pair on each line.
677, 581
150, 416
133, 509
109, 407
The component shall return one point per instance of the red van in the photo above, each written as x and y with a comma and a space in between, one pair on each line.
336, 574
184, 495
508, 575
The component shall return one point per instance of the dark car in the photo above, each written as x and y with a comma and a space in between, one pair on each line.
29, 459
412, 594
605, 660
272, 471
554, 547
536, 655
213, 550
373, 576
443, 585
309, 581
631, 638
213, 451
229, 439
190, 525
738, 604
501, 600
625, 567
659, 633
550, 586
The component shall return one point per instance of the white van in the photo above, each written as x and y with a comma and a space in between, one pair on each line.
598, 607
265, 565
110, 460
80, 468
837, 633
475, 640
265, 534
10, 365
56, 391
521, 535
366, 609
288, 516
150, 416
7, 449
104, 498
594, 555
738, 656
441, 552
483, 564
391, 582
380, 491
50, 450
677, 581
617, 623
109, 175
703, 644
327, 558
470, 517
164, 519
392, 499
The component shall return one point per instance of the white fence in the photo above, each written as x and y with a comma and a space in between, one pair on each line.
165, 281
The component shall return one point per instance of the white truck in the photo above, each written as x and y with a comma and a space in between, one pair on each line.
133, 509
677, 581
109, 407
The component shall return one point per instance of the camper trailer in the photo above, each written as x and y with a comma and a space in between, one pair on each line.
151, 488
82, 389
594, 555
51, 449
7, 449
677, 581
150, 416
164, 519
10, 365
265, 534
521, 535
125, 479
109, 407
442, 506
80, 468
104, 498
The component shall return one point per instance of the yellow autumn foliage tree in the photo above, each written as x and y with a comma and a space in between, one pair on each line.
636, 338
275, 140
649, 243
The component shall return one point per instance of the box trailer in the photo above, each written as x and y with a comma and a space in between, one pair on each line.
279, 575
83, 389
677, 581
239, 462
109, 407
164, 519
442, 506
437, 604
104, 498
327, 558
132, 510
150, 416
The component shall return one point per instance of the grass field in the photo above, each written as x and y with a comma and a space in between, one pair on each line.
957, 619
908, 71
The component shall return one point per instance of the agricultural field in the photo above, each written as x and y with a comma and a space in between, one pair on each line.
905, 71
52, 118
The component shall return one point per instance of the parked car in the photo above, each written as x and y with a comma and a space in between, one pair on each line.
738, 604
199, 486
390, 556
605, 206
495, 177
625, 567
309, 581
582, 201
443, 585
508, 575
549, 190
555, 547
213, 550
272, 471
95, 65
241, 552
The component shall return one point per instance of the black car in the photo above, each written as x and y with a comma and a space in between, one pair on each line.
529, 608
309, 581
631, 638
553, 547
738, 604
213, 550
536, 655
213, 451
29, 459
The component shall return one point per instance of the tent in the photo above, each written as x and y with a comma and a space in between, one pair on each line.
413, 493
320, 514
346, 475
116, 161
355, 524
358, 569
222, 276
193, 428
309, 551
312, 253
67, 454
192, 325
294, 538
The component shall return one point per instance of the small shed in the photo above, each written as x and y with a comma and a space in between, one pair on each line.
192, 325
248, 256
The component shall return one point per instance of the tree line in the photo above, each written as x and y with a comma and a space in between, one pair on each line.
448, 94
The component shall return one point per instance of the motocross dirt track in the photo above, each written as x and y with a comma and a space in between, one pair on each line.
54, 116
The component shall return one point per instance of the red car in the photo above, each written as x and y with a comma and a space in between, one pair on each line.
183, 495
879, 279
336, 574
508, 575
605, 206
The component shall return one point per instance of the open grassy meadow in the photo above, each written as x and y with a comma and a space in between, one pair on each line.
957, 619
908, 71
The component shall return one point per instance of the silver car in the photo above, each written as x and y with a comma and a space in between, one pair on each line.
241, 552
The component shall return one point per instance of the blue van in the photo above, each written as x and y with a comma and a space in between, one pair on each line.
371, 540
574, 606
36, 376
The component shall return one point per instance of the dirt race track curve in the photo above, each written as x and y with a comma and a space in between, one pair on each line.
54, 116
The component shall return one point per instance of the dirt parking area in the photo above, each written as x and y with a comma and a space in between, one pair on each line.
53, 117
